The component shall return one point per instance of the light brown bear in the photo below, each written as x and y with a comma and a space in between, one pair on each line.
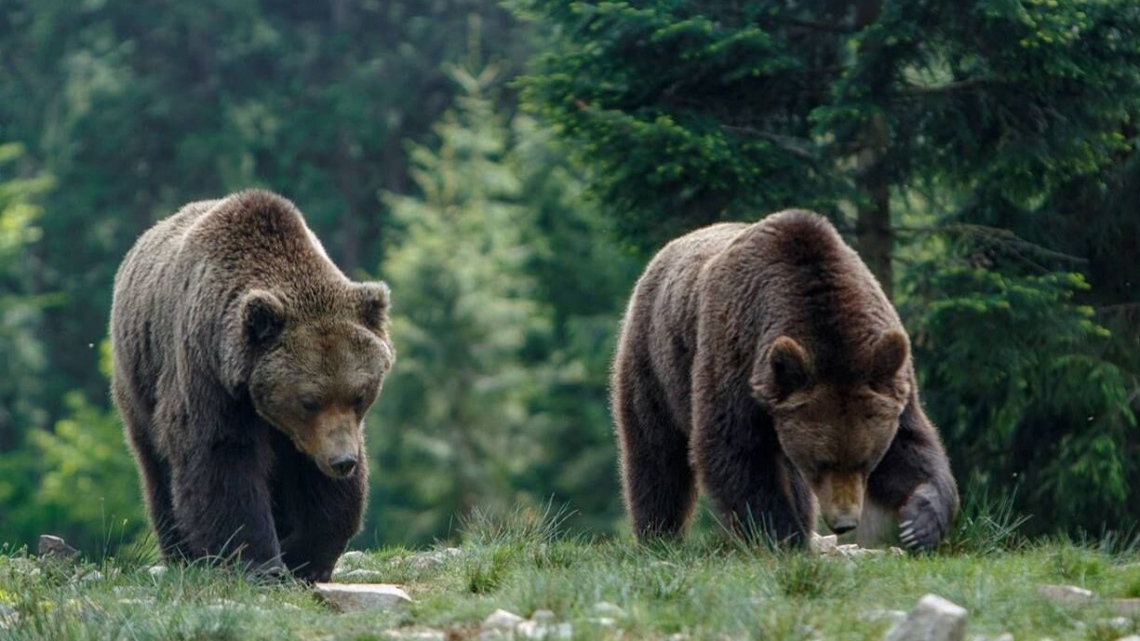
765, 361
244, 363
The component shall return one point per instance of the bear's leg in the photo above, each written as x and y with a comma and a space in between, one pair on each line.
915, 482
222, 503
318, 515
758, 490
156, 484
154, 471
657, 481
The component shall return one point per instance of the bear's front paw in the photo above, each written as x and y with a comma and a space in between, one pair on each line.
924, 518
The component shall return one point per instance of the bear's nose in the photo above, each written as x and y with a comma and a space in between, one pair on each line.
842, 523
342, 464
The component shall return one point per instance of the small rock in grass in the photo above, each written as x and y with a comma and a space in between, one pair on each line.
92, 576
824, 544
1065, 593
362, 576
502, 620
607, 609
428, 560
542, 616
157, 571
536, 630
416, 635
1126, 606
933, 619
52, 546
354, 597
9, 617
348, 561
1131, 637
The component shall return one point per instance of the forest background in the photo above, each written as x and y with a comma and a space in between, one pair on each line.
509, 167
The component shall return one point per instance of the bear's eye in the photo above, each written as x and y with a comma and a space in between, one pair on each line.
309, 403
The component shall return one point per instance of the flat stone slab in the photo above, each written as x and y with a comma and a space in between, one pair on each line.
355, 597
933, 619
1065, 593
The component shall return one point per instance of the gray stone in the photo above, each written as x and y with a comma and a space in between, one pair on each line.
933, 619
1065, 593
428, 560
547, 631
542, 616
1125, 606
362, 576
348, 561
416, 635
502, 620
607, 609
157, 571
9, 617
52, 546
355, 597
824, 544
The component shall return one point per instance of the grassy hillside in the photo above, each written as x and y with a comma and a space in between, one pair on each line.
709, 587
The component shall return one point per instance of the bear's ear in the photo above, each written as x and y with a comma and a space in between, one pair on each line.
262, 316
374, 304
784, 369
888, 356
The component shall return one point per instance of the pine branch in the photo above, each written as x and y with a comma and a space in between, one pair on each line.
796, 146
919, 91
815, 25
995, 234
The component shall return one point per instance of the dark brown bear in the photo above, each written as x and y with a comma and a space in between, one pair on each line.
244, 362
765, 362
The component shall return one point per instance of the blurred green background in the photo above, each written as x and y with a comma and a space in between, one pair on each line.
508, 167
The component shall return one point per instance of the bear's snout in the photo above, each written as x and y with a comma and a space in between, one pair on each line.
343, 465
841, 499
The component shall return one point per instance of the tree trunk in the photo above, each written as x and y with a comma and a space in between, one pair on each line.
873, 231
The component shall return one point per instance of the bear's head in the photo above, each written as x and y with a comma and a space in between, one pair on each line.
314, 377
835, 433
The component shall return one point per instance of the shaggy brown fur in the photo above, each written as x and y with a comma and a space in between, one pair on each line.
765, 361
244, 362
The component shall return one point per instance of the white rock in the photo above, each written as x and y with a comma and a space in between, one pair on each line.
94, 575
933, 619
548, 631
1131, 637
605, 622
1126, 606
852, 550
363, 576
9, 617
502, 620
428, 560
351, 597
1065, 593
542, 616
348, 561
157, 571
607, 609
824, 544
496, 635
416, 635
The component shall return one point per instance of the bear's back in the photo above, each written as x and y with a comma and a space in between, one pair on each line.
792, 274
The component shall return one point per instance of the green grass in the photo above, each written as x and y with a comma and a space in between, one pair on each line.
708, 587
